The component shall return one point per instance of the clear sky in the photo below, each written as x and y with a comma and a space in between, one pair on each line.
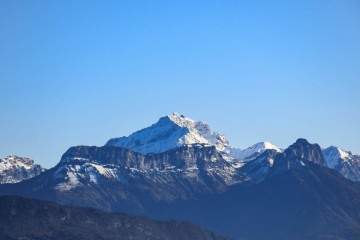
82, 72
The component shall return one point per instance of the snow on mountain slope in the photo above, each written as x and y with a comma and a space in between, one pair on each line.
177, 130
344, 162
258, 168
79, 170
334, 156
15, 169
170, 132
100, 172
254, 151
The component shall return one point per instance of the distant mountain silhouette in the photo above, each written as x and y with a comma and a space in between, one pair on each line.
31, 219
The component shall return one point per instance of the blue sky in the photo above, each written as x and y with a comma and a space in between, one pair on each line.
82, 72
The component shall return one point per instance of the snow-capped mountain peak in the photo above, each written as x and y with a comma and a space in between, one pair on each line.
15, 169
13, 160
345, 162
253, 151
170, 132
333, 155
180, 120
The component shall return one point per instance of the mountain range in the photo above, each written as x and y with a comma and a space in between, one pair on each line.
179, 168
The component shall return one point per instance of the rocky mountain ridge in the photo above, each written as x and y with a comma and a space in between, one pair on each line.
345, 162
14, 169
176, 130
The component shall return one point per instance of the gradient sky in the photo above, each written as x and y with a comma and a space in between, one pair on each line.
82, 72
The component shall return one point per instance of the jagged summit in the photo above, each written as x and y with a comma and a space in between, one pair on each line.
15, 169
345, 162
176, 130
303, 150
13, 159
297, 155
169, 132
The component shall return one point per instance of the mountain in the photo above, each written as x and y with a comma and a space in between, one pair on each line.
254, 151
344, 162
288, 195
176, 130
258, 169
38, 220
299, 198
309, 202
170, 132
14, 169
179, 168
118, 179
298, 155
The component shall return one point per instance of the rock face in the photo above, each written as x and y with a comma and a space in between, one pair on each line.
257, 170
297, 155
44, 220
113, 178
344, 162
14, 169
